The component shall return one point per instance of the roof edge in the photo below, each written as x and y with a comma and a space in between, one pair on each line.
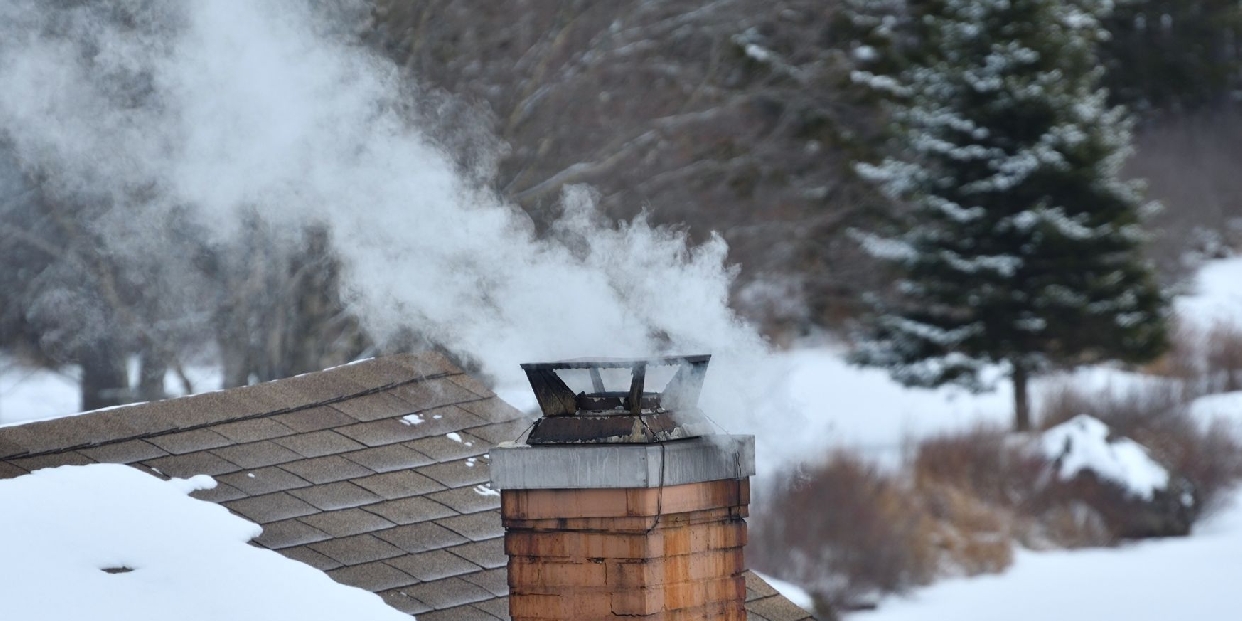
143, 420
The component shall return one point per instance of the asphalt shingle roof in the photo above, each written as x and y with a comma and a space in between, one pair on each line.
329, 465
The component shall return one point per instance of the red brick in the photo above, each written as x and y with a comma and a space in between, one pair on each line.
579, 545
663, 555
532, 573
627, 524
662, 570
536, 606
637, 601
623, 502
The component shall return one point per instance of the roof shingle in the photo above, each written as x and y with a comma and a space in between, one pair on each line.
421, 536
318, 443
347, 522
374, 577
328, 469
270, 507
357, 549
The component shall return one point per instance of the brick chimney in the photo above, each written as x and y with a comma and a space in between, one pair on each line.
617, 506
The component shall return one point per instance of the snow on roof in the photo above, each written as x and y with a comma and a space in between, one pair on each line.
792, 592
108, 542
1082, 444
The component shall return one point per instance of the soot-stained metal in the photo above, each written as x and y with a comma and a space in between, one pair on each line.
633, 416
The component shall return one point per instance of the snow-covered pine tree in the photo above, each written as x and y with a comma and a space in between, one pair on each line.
1021, 246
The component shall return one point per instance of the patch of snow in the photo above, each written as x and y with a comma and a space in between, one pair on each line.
196, 483
791, 592
1082, 444
880, 83
1225, 407
485, 489
412, 419
174, 557
758, 52
454, 436
1217, 294
350, 363
865, 53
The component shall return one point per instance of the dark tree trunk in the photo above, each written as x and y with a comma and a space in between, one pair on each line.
236, 363
233, 339
317, 332
1021, 403
151, 377
105, 381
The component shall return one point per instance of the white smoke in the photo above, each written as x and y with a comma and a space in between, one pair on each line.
263, 105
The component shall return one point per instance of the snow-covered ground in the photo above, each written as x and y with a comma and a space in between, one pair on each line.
1192, 578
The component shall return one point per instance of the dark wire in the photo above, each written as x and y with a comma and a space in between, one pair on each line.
660, 493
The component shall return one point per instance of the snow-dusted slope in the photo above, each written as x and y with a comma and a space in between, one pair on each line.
1193, 578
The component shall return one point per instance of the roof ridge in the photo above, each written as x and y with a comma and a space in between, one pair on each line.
117, 415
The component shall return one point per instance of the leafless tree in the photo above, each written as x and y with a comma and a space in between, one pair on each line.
729, 115
279, 311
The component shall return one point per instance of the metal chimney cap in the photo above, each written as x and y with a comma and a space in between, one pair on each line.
618, 363
617, 417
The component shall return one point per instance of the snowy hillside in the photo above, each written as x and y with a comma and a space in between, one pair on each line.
1193, 578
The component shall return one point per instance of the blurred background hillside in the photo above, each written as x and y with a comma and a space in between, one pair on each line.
732, 116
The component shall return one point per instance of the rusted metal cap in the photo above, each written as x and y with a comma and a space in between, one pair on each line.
612, 415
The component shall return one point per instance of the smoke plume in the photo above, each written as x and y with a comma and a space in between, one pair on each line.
216, 106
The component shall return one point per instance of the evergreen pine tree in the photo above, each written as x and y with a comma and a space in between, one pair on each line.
1021, 246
